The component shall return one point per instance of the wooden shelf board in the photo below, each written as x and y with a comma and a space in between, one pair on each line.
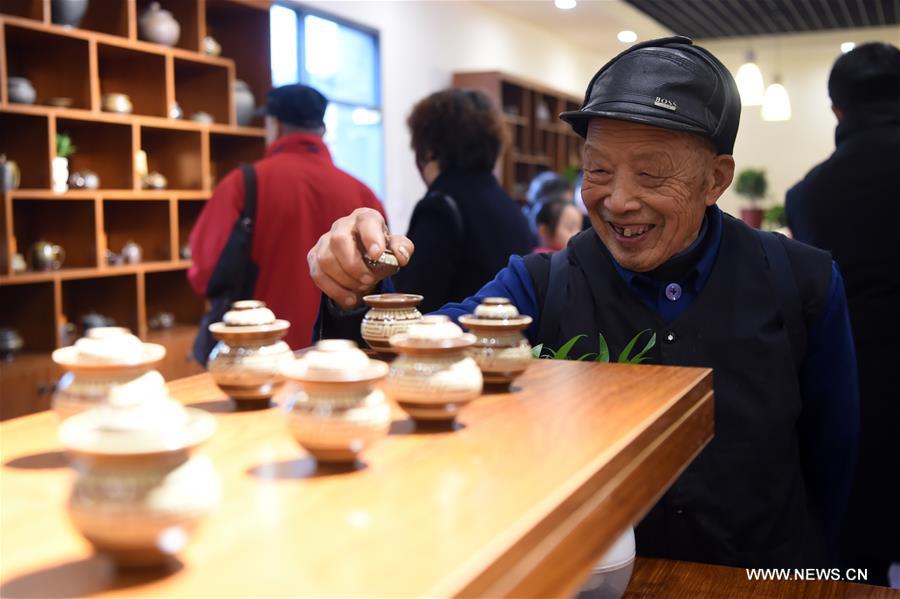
236, 130
69, 274
531, 159
110, 194
49, 194
515, 119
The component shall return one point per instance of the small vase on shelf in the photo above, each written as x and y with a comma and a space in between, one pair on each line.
60, 174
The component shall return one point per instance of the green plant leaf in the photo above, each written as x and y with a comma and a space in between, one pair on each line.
640, 356
586, 356
563, 352
536, 350
603, 356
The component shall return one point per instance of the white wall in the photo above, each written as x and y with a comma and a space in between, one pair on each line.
787, 150
423, 43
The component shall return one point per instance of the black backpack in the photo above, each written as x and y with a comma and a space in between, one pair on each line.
235, 274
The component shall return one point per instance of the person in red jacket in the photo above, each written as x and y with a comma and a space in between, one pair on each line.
300, 192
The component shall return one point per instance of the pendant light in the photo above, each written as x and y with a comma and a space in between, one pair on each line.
750, 81
776, 103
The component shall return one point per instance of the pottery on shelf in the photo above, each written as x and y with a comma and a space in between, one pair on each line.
60, 102
175, 111
68, 13
159, 26
246, 362
185, 252
202, 117
390, 314
500, 350
154, 180
20, 90
18, 263
139, 493
163, 320
106, 358
116, 102
211, 47
131, 252
244, 103
47, 256
10, 343
332, 407
10, 175
84, 179
60, 174
433, 378
92, 320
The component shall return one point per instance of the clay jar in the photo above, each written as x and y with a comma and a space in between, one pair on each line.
139, 493
105, 358
433, 378
333, 409
390, 314
501, 350
246, 363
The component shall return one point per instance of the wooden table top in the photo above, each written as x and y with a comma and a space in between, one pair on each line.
667, 579
522, 500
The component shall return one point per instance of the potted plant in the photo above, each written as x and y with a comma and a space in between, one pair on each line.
752, 184
775, 218
64, 149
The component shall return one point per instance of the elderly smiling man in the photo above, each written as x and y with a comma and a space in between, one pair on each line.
767, 314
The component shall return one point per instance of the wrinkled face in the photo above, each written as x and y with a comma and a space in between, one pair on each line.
646, 189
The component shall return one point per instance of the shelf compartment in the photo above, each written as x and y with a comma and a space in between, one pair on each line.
107, 16
67, 223
188, 213
30, 310
140, 75
200, 86
56, 65
114, 297
188, 16
146, 222
176, 154
227, 152
26, 140
104, 148
27, 9
231, 24
169, 291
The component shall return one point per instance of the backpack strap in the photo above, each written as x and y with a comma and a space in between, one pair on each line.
555, 297
248, 213
788, 293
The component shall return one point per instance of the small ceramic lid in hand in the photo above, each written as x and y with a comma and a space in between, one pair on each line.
335, 360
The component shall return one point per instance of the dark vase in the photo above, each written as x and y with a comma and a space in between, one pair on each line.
68, 12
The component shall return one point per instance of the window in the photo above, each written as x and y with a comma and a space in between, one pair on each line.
341, 61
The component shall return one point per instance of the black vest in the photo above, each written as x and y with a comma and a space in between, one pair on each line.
742, 502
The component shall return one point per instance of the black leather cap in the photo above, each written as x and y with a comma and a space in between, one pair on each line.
668, 83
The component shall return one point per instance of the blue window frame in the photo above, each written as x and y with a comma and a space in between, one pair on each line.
342, 61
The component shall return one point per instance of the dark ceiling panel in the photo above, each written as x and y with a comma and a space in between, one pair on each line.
738, 18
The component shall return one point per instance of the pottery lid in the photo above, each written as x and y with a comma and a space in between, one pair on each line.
335, 361
386, 264
103, 347
248, 313
495, 313
393, 300
434, 331
138, 418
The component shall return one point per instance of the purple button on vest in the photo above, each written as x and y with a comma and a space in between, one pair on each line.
673, 292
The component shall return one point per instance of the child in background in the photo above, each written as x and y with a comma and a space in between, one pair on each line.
557, 221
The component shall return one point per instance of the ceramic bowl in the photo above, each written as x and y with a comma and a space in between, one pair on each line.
115, 102
390, 314
333, 408
433, 378
500, 350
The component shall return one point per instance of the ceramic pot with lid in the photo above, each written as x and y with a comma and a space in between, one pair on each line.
139, 493
246, 362
105, 358
159, 26
11, 343
333, 409
500, 350
390, 314
244, 103
433, 378
20, 90
47, 256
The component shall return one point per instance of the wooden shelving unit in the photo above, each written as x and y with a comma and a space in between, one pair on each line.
104, 56
538, 139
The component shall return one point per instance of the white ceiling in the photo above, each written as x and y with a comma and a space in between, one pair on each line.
592, 24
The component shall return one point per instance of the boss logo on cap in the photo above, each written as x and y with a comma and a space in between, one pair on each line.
667, 104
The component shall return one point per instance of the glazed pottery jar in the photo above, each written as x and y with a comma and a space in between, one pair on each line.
105, 358
433, 378
68, 13
115, 102
244, 103
47, 256
333, 409
20, 90
139, 493
501, 350
246, 363
10, 344
131, 252
390, 314
159, 26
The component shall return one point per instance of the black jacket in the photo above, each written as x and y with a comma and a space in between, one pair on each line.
850, 206
460, 249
